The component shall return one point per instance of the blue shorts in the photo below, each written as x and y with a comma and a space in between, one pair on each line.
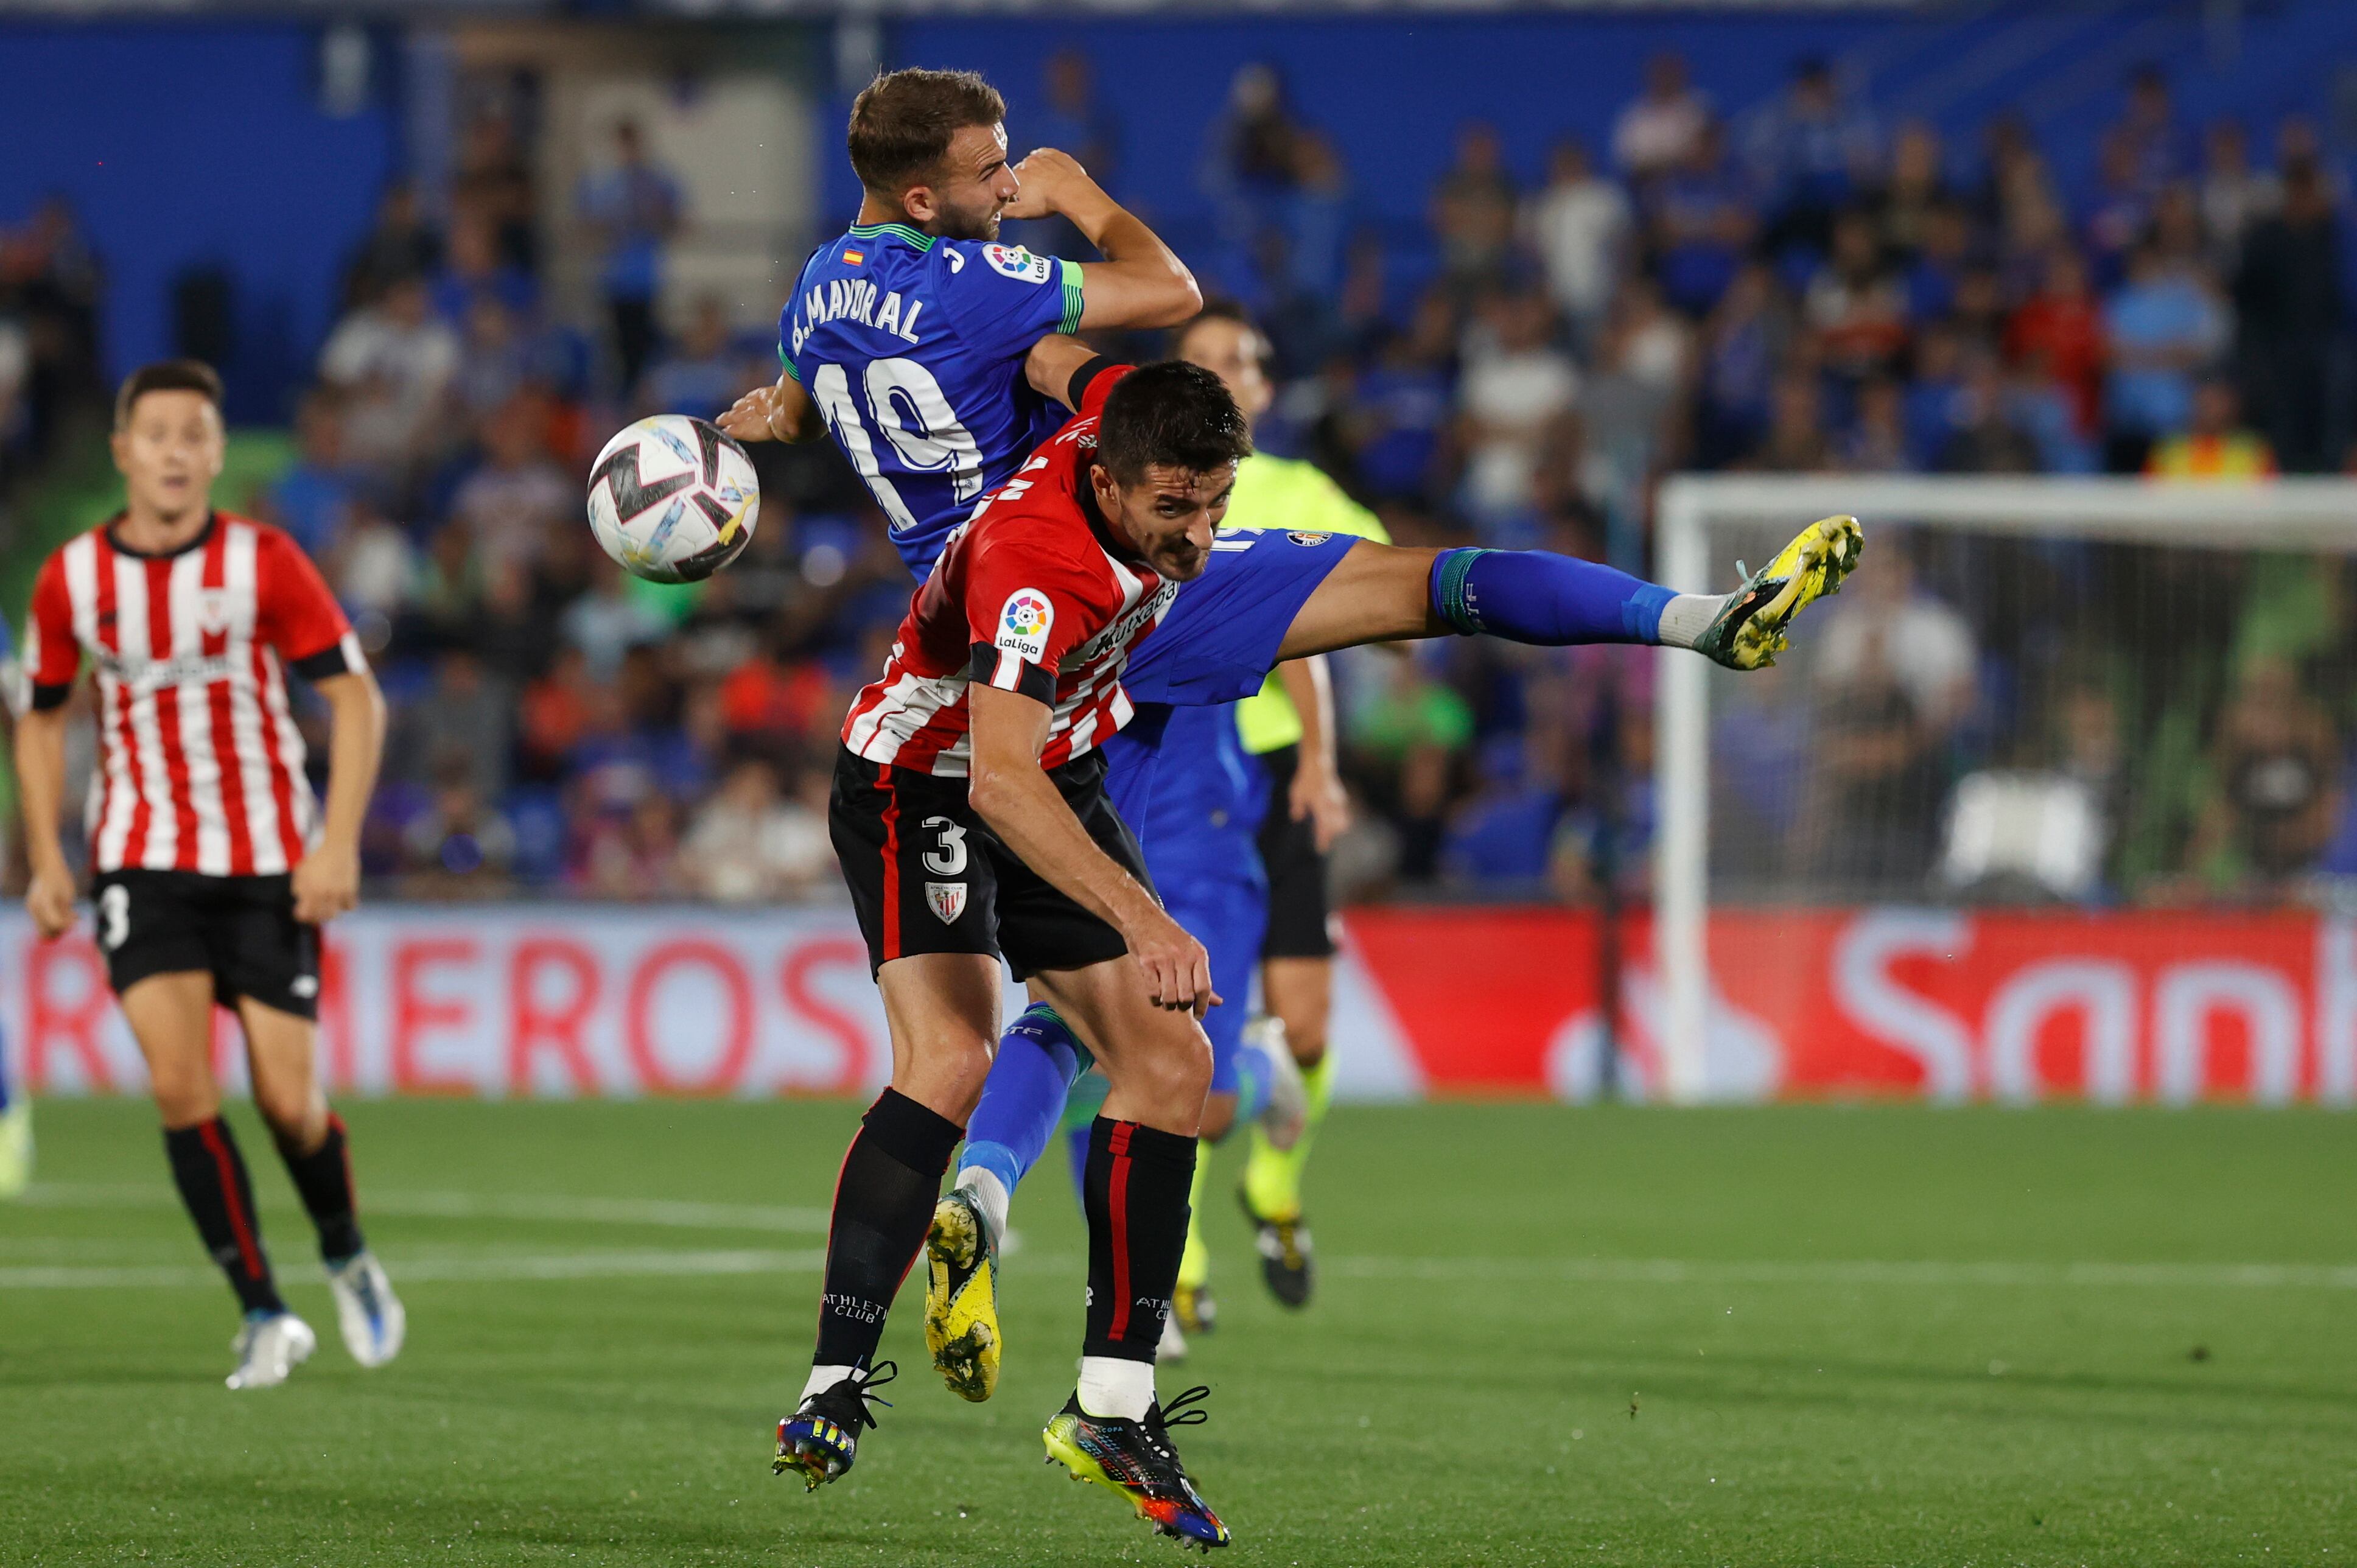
1220, 637
1180, 779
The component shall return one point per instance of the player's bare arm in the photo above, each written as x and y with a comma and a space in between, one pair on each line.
1141, 281
781, 413
1011, 793
327, 882
1317, 792
40, 783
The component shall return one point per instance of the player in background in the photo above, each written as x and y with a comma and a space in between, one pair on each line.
971, 817
214, 865
16, 1110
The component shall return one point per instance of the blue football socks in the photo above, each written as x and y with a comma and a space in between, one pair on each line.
1023, 1099
1538, 597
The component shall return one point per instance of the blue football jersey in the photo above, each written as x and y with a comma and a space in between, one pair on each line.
912, 348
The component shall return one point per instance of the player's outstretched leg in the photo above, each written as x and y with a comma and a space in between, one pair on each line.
1031, 1075
883, 1203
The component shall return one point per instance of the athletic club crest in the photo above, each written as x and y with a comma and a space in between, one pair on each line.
215, 609
948, 899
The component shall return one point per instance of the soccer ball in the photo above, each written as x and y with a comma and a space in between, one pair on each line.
673, 499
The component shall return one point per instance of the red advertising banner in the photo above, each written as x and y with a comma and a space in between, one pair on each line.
550, 1000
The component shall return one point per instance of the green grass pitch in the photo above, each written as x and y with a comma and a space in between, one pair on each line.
1804, 1336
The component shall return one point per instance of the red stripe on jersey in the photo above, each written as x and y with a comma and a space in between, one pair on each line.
282, 785
167, 718
891, 864
126, 740
232, 767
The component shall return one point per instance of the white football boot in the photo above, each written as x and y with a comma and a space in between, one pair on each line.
367, 1311
270, 1346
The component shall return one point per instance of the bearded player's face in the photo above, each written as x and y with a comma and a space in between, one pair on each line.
973, 187
1169, 515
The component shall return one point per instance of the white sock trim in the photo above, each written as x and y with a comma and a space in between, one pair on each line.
1688, 616
989, 1194
1111, 1385
820, 1379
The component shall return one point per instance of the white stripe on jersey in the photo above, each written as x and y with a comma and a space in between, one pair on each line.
194, 700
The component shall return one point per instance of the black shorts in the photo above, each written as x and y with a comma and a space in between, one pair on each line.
927, 877
1299, 925
242, 930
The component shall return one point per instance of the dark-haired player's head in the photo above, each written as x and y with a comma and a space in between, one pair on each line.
1167, 447
1224, 341
168, 438
931, 145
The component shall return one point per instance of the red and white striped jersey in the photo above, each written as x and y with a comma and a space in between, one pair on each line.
1033, 594
200, 764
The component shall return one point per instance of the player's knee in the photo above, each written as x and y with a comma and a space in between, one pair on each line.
294, 1114
186, 1096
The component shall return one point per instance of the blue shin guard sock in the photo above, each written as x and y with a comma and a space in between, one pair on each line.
1538, 597
1081, 1113
1023, 1099
1254, 1075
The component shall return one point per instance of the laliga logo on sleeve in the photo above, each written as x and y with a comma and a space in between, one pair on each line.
1018, 262
1023, 622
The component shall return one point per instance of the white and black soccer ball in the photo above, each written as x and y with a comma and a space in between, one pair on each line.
673, 499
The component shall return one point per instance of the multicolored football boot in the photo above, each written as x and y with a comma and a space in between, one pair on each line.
1287, 1262
822, 1439
1137, 1460
962, 1298
1749, 632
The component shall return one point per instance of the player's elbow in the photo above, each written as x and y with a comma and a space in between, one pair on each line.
1179, 299
991, 791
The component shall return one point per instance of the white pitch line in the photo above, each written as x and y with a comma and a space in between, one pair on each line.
663, 1213
1669, 1272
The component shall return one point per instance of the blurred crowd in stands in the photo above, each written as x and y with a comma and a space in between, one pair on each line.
1811, 287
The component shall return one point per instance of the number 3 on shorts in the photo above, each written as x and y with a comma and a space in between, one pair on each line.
114, 916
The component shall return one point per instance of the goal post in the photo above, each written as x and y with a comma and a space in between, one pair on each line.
1704, 522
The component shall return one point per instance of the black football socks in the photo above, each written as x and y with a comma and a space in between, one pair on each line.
883, 1205
1135, 1195
210, 1174
324, 1179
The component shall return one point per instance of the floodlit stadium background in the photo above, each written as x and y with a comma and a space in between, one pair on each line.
2034, 813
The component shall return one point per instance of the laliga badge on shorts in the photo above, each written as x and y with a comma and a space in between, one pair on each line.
1300, 538
948, 899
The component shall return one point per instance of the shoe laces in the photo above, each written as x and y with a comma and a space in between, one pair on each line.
849, 1399
1185, 1410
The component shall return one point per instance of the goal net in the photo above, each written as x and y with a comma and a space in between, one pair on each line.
2053, 800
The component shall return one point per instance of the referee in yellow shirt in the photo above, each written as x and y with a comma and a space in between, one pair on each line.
1289, 728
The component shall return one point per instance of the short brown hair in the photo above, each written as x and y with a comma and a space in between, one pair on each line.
166, 375
901, 123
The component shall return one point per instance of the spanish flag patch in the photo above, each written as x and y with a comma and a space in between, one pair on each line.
852, 258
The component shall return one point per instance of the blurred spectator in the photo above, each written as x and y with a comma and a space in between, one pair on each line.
402, 244
1658, 131
466, 713
372, 567
2274, 794
2062, 326
2157, 147
511, 502
1987, 436
1856, 305
1581, 226
2234, 195
1743, 343
1401, 403
750, 843
1794, 442
459, 846
1516, 396
1251, 162
1914, 191
1812, 151
495, 184
2215, 446
2165, 326
1701, 219
2288, 301
475, 273
395, 358
1890, 630
699, 373
1473, 210
1876, 442
609, 620
313, 499
632, 210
